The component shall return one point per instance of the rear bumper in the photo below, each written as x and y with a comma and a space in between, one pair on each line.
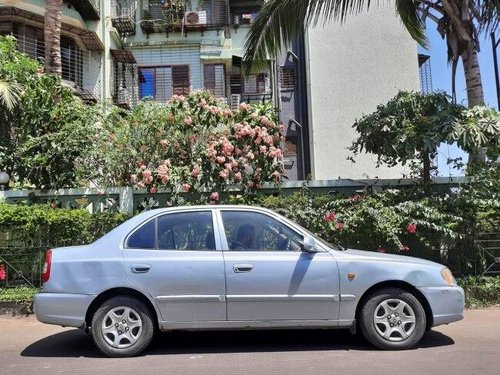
447, 303
62, 309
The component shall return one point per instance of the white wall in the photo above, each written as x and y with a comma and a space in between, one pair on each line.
351, 69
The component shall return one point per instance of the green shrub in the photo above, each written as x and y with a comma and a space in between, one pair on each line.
19, 294
481, 291
191, 144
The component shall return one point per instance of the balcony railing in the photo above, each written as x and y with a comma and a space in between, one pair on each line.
90, 10
183, 15
123, 13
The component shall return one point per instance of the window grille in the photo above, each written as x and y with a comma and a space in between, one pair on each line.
161, 82
80, 67
214, 79
180, 79
252, 84
124, 83
287, 79
425, 73
72, 62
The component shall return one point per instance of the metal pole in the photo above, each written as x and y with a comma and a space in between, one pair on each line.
494, 45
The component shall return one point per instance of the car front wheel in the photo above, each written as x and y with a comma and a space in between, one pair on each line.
392, 318
122, 327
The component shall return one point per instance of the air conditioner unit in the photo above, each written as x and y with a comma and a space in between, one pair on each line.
197, 18
123, 96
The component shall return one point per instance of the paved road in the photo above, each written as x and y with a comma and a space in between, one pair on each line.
469, 347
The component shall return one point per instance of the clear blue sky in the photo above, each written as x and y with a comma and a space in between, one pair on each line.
441, 80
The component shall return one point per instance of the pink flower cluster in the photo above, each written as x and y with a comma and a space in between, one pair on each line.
203, 144
3, 273
411, 228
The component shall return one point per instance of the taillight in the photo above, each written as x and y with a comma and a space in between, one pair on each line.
46, 266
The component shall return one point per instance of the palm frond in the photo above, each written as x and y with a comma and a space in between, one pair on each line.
280, 21
489, 15
408, 11
9, 94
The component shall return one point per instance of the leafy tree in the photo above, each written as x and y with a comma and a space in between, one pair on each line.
16, 70
46, 130
460, 22
411, 127
51, 136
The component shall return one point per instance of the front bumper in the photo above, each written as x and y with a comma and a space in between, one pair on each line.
447, 303
62, 309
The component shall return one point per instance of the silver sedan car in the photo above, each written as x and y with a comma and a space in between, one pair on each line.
237, 267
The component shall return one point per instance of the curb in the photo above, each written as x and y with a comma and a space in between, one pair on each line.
16, 308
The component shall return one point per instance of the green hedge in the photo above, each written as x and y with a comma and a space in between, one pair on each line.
410, 222
45, 226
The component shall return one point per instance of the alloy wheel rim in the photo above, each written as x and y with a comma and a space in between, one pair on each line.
121, 327
394, 320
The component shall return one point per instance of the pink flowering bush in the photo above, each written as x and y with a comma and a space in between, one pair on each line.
191, 144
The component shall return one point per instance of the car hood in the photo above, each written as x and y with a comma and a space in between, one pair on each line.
375, 256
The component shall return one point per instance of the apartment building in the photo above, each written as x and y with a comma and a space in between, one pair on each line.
127, 50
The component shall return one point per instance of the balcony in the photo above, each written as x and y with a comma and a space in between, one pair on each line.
184, 15
88, 9
123, 14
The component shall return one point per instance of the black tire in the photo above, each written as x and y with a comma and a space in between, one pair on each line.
129, 338
401, 334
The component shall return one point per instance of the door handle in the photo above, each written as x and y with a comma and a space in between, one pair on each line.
140, 268
240, 268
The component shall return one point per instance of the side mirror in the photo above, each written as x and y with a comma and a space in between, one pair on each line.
309, 245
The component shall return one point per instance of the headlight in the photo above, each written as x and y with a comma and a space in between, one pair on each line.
447, 277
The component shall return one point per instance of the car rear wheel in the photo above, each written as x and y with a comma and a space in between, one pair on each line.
122, 327
392, 318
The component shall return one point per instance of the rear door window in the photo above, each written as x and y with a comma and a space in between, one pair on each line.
175, 231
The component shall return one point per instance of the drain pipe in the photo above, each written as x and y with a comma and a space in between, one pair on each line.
105, 53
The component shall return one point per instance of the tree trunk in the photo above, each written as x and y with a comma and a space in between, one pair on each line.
52, 32
426, 173
475, 96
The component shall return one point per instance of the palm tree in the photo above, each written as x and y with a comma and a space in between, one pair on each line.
52, 32
9, 95
458, 21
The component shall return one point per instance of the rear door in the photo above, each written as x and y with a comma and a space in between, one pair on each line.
173, 257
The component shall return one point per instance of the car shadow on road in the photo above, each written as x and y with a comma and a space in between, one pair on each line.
75, 343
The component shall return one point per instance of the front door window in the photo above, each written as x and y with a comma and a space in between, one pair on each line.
255, 231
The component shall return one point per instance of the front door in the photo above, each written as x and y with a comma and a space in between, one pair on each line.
269, 277
173, 258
